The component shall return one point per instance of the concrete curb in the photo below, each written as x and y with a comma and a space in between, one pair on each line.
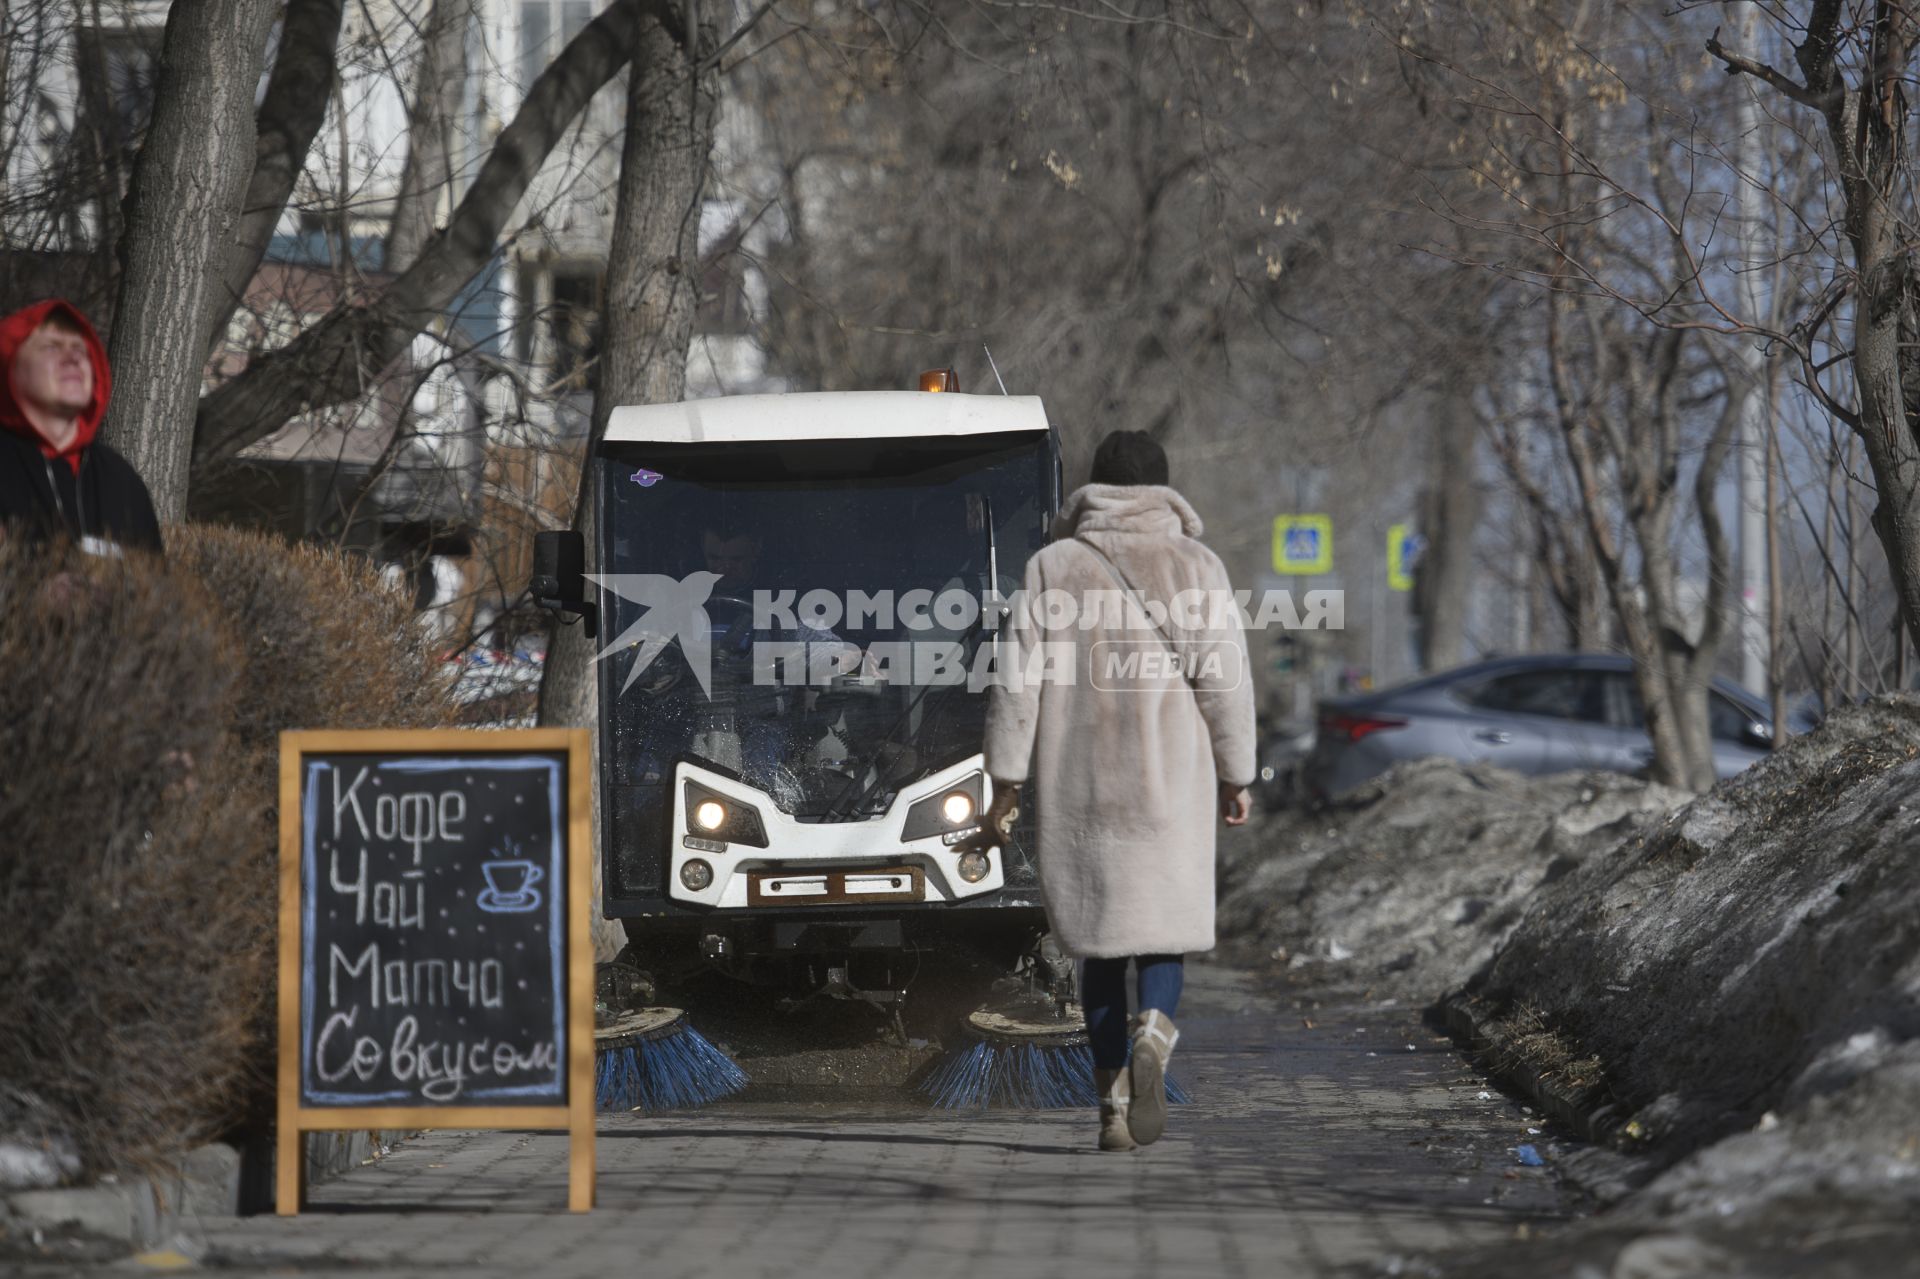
205, 1184
1611, 1168
140, 1210
1589, 1112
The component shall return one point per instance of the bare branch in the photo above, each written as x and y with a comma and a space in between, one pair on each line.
284, 127
1817, 54
332, 361
1740, 64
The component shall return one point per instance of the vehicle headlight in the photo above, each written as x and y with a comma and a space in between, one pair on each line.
721, 818
696, 874
951, 810
973, 866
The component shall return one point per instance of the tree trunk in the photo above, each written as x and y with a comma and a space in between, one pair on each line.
1689, 661
1829, 685
439, 80
652, 289
1687, 690
1776, 628
181, 208
1591, 631
438, 84
110, 145
290, 115
1669, 668
1892, 452
10, 34
1449, 518
1754, 133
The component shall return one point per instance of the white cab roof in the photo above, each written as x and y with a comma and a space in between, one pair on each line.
824, 415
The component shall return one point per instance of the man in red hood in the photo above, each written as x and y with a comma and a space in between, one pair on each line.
54, 477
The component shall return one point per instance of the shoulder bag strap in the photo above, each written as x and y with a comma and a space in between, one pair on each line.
1128, 587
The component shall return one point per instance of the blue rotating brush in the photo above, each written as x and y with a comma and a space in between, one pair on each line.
1038, 1063
652, 1059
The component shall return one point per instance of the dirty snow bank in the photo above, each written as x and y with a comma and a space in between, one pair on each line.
1749, 970
1736, 980
1407, 885
1745, 939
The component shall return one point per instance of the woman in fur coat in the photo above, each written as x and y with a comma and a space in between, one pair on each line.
1136, 729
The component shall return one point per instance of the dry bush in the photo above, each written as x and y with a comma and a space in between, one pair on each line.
325, 644
138, 806
124, 856
328, 644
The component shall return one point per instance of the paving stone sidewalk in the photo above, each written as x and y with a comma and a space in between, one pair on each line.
1307, 1152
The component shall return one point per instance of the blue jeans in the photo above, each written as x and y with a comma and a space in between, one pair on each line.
1103, 994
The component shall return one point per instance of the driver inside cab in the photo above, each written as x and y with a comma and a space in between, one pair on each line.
768, 733
734, 555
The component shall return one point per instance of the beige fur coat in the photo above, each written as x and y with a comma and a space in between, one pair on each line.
1123, 758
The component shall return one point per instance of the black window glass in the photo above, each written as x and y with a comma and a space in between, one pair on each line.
1726, 720
839, 517
1622, 700
1553, 694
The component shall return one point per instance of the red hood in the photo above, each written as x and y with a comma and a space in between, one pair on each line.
14, 330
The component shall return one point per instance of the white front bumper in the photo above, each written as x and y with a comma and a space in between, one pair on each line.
802, 847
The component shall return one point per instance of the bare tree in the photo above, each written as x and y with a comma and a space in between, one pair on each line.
1179, 220
1449, 515
652, 289
1577, 128
196, 239
335, 360
1855, 61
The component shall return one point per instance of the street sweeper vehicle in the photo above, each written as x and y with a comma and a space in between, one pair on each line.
794, 601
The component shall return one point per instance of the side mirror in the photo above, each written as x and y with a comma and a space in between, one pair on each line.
559, 574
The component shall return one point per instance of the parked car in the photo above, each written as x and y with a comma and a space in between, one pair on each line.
1545, 713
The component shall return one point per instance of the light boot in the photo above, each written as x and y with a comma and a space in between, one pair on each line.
1114, 1100
1153, 1039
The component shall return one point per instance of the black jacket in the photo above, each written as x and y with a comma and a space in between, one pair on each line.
41, 497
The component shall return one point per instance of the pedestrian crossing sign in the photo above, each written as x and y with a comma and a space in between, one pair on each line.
1403, 551
1302, 544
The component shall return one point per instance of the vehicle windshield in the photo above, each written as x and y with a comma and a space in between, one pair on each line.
832, 578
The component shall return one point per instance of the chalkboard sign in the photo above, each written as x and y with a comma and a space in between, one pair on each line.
436, 968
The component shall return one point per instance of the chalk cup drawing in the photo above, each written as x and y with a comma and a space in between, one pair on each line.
510, 886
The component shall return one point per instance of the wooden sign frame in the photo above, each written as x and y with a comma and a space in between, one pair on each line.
576, 1116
